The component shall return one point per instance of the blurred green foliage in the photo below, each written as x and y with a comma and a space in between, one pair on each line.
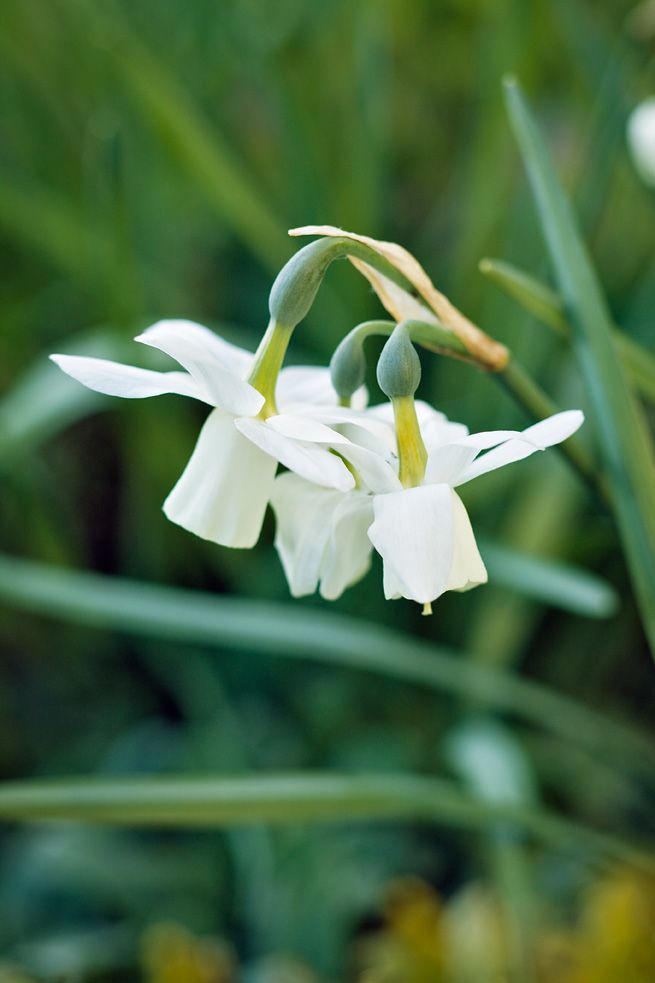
152, 158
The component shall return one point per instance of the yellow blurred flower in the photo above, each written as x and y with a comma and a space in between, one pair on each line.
409, 947
615, 940
171, 954
14, 974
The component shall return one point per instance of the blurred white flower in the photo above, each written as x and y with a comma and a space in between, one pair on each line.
423, 533
641, 139
224, 490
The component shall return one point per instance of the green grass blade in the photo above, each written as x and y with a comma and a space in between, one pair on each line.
209, 801
562, 585
283, 630
547, 306
622, 437
44, 401
529, 394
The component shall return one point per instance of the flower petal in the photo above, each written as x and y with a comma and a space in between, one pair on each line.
467, 569
554, 429
224, 489
376, 472
447, 462
380, 432
116, 379
544, 434
304, 428
413, 532
313, 462
218, 366
311, 385
348, 553
303, 515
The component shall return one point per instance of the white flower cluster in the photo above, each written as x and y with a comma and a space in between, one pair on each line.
342, 495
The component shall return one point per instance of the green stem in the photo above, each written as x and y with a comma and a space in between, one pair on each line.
268, 362
412, 455
547, 306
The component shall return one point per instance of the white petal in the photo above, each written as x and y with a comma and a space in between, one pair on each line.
223, 492
554, 429
218, 366
446, 463
303, 515
413, 533
467, 570
485, 439
315, 463
544, 434
375, 471
436, 433
348, 553
115, 379
304, 428
305, 384
349, 420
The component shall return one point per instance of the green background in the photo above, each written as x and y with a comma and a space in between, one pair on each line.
152, 157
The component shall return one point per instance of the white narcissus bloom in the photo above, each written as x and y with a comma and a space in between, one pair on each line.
224, 490
423, 533
641, 139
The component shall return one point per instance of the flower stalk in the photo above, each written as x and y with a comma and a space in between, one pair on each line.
268, 362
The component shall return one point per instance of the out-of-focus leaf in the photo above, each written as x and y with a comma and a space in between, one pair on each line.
296, 632
301, 797
199, 147
546, 305
493, 765
623, 441
491, 762
45, 401
562, 585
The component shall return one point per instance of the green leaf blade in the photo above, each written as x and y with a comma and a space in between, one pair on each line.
623, 442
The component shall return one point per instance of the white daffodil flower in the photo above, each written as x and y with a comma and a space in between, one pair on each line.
423, 533
641, 139
224, 490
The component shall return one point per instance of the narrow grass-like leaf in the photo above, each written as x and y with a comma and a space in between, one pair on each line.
44, 401
298, 633
529, 394
623, 440
201, 150
210, 801
560, 584
547, 306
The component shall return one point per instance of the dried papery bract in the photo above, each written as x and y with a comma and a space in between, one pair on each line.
429, 304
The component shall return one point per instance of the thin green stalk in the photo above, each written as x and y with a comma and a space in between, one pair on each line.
547, 306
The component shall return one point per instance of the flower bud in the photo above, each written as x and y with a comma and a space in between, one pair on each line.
348, 363
297, 283
399, 367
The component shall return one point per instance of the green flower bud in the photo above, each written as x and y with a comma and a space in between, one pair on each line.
399, 367
297, 283
348, 363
